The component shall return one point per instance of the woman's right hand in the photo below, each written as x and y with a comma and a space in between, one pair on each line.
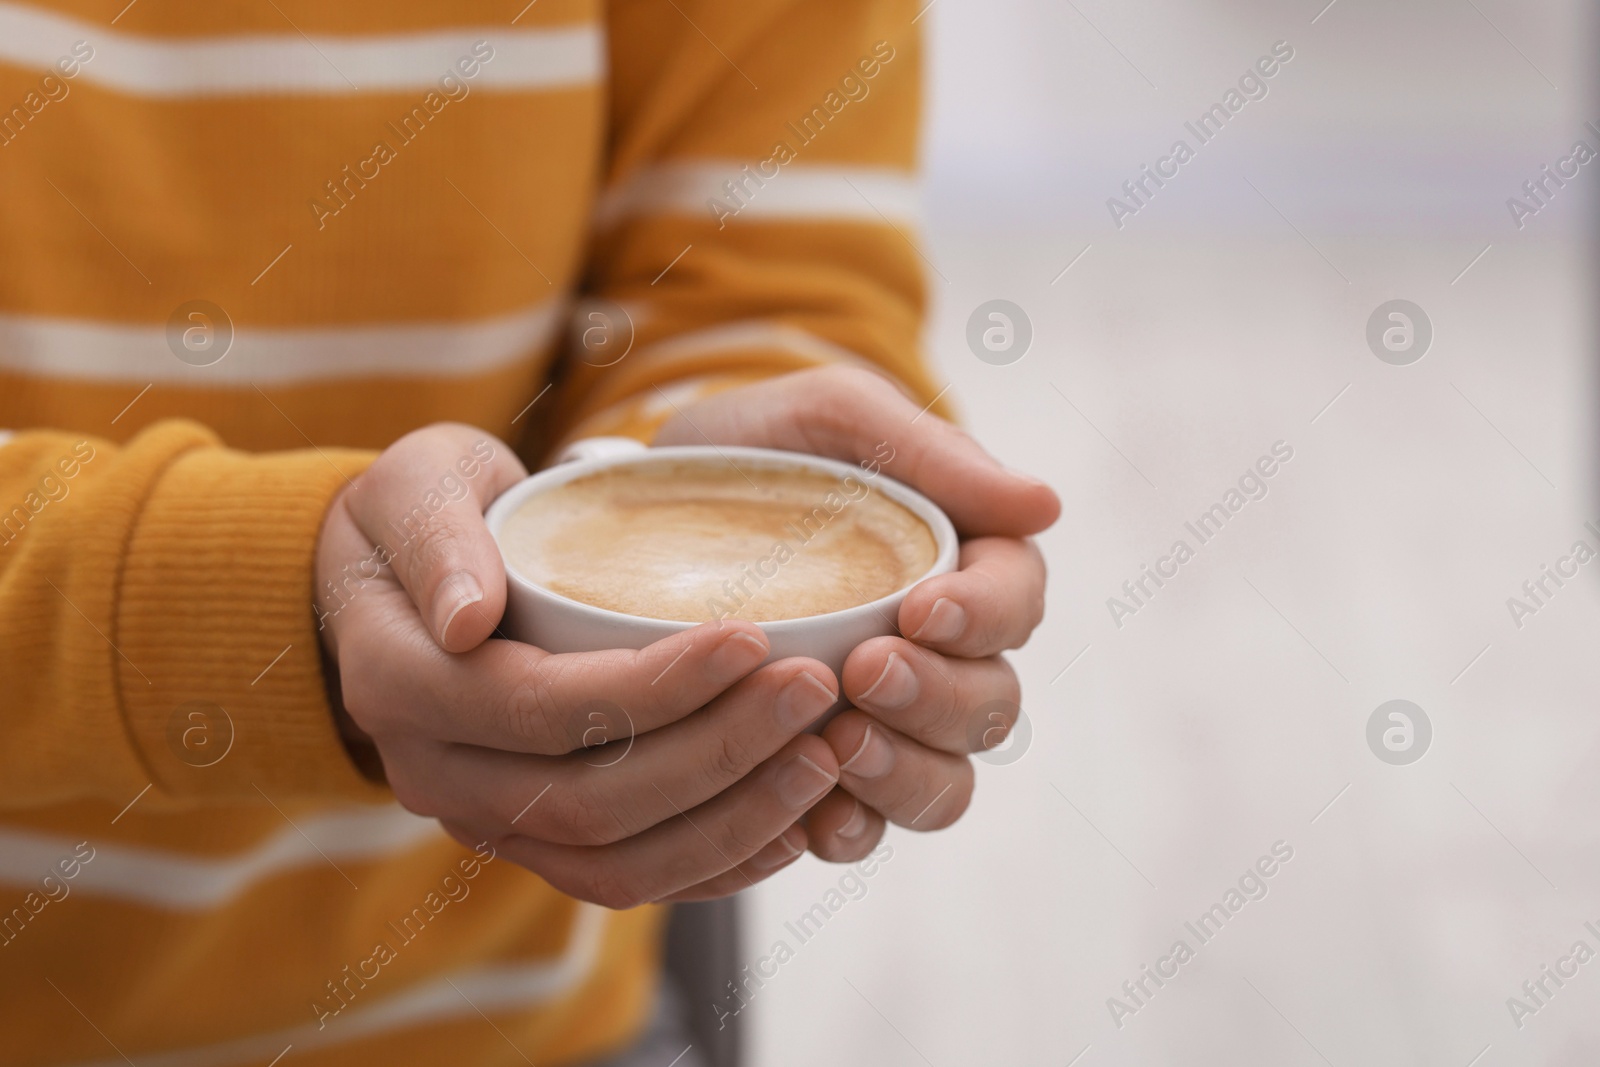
587, 769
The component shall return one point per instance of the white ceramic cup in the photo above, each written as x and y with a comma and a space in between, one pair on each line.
537, 616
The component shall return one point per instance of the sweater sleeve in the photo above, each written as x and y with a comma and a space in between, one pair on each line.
155, 621
759, 214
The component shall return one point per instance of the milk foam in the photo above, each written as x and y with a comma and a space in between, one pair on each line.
690, 541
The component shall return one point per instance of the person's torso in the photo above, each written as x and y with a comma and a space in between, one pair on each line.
292, 220
376, 209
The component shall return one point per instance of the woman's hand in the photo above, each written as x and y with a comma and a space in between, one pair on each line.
533, 752
927, 699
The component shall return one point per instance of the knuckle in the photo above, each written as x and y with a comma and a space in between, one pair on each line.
427, 440
728, 759
843, 392
1019, 606
599, 824
1000, 607
433, 542
656, 702
576, 819
532, 713
947, 713
603, 885
739, 840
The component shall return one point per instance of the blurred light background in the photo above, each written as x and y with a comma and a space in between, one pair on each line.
1170, 753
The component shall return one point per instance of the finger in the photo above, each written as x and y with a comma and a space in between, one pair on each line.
608, 794
507, 695
994, 601
912, 785
856, 415
842, 829
938, 701
773, 857
421, 503
704, 842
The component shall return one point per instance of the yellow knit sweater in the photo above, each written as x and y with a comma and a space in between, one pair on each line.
243, 245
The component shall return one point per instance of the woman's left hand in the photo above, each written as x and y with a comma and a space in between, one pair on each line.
923, 702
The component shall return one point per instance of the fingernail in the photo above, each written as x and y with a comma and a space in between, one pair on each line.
800, 782
737, 653
775, 853
895, 688
801, 701
855, 825
456, 593
944, 623
874, 759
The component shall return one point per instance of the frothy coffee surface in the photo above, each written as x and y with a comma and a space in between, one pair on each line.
694, 540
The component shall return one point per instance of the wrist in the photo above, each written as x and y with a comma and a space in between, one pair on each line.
357, 742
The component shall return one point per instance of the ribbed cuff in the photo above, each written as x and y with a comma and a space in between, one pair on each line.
221, 674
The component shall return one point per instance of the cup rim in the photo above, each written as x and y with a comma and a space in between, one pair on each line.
946, 542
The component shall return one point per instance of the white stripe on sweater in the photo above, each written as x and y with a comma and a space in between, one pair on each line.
179, 881
490, 989
795, 191
115, 352
289, 62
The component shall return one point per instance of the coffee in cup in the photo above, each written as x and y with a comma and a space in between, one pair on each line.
818, 552
704, 539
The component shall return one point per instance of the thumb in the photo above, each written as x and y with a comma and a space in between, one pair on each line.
422, 501
856, 415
